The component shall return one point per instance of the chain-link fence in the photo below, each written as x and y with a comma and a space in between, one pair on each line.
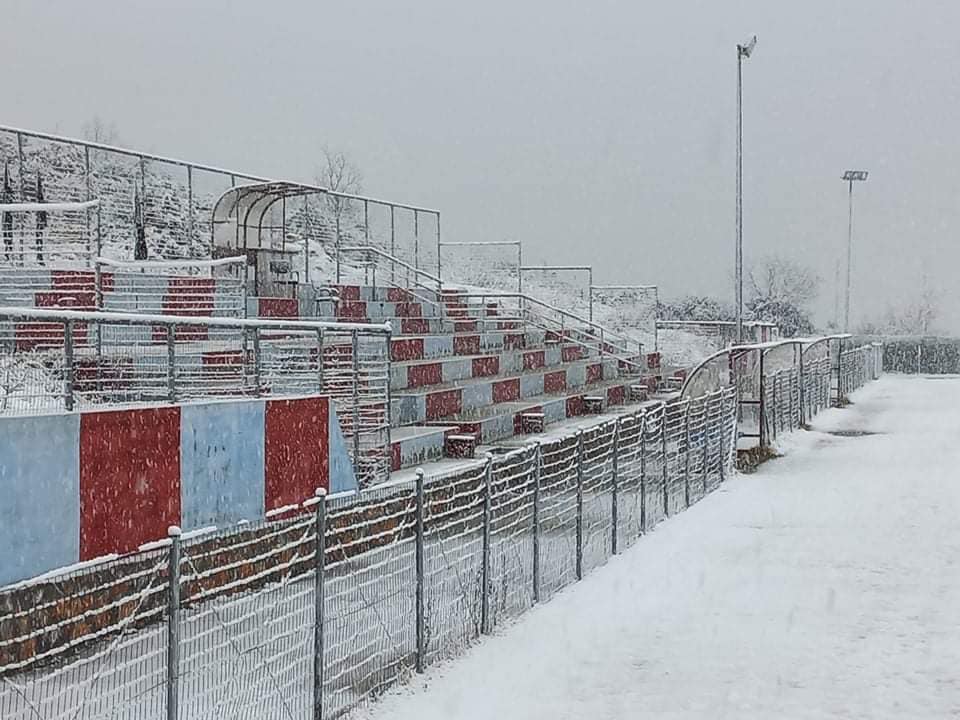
262, 622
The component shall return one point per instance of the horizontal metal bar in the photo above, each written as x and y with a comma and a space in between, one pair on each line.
52, 207
111, 318
492, 242
546, 268
201, 167
625, 287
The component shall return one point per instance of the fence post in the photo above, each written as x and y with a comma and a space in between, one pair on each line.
355, 380
537, 475
485, 558
173, 623
666, 470
320, 359
318, 592
723, 432
172, 363
579, 563
773, 403
793, 407
68, 364
803, 410
615, 480
419, 569
686, 455
257, 363
705, 434
643, 472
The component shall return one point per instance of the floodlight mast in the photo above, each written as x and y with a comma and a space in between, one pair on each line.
850, 176
743, 51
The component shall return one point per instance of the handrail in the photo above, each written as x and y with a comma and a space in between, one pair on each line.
198, 166
112, 318
391, 258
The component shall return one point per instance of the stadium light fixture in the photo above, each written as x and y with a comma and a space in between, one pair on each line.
850, 176
743, 51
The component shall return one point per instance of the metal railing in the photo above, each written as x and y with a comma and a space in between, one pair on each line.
55, 360
313, 616
567, 325
172, 200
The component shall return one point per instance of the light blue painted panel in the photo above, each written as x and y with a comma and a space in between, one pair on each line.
342, 478
221, 463
40, 501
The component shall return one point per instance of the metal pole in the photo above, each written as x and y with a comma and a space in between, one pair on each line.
666, 470
421, 637
762, 416
355, 379
643, 472
615, 489
172, 363
803, 394
439, 281
485, 558
23, 191
686, 455
846, 298
739, 251
537, 475
173, 624
590, 286
579, 564
723, 432
318, 595
257, 363
87, 196
190, 210
393, 246
389, 405
320, 359
68, 372
416, 240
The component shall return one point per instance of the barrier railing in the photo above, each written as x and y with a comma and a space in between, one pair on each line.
54, 360
312, 616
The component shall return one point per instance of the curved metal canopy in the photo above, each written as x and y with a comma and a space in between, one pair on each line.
239, 214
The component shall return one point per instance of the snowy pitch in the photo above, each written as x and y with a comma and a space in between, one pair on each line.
825, 585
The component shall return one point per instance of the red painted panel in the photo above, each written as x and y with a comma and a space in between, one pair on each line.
466, 345
414, 326
181, 333
78, 280
507, 325
77, 299
534, 359
399, 295
486, 366
653, 360
465, 326
513, 341
406, 349
594, 372
129, 478
278, 307
444, 403
555, 381
616, 395
348, 292
396, 459
574, 405
424, 374
569, 353
506, 390
34, 335
518, 418
408, 309
109, 374
351, 310
297, 450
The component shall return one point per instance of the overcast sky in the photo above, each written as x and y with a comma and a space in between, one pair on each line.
598, 131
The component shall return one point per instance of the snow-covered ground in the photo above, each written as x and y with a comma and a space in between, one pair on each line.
825, 585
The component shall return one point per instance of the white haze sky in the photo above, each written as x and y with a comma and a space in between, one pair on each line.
600, 132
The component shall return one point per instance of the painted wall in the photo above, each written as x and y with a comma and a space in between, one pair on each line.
81, 485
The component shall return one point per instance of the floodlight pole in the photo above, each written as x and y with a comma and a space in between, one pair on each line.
743, 51
850, 176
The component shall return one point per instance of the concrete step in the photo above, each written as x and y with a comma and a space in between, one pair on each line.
424, 373
441, 401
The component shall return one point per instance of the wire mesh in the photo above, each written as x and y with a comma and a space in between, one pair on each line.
453, 550
246, 625
483, 265
558, 516
90, 644
597, 495
510, 578
629, 481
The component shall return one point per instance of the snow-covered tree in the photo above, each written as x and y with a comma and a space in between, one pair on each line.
780, 291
